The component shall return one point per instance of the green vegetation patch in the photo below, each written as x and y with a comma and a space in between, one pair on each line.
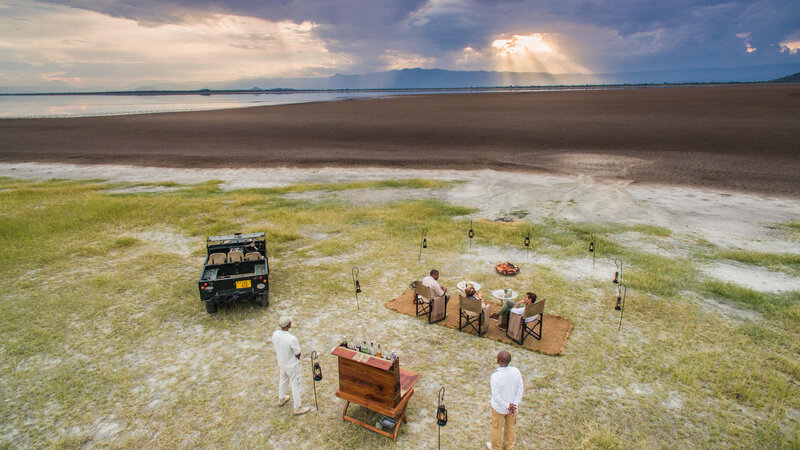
780, 261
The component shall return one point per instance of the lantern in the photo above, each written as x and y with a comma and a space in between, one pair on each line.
423, 243
591, 247
619, 303
354, 271
471, 233
616, 278
441, 411
317, 372
527, 241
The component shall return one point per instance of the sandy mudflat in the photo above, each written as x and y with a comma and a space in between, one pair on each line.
742, 137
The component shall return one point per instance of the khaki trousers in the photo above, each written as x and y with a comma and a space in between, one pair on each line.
291, 376
503, 425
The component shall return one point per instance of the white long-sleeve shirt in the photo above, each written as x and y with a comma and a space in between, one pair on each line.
286, 348
507, 388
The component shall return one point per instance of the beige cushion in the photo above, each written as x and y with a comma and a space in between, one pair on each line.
216, 258
253, 256
235, 256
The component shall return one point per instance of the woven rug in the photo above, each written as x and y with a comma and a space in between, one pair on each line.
555, 329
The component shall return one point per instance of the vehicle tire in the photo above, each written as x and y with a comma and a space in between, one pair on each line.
211, 306
265, 300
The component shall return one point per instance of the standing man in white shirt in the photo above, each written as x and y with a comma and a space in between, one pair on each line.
432, 282
287, 348
507, 391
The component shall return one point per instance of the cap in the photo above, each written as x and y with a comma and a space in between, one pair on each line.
284, 321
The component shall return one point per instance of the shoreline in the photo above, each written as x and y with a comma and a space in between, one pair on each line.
742, 138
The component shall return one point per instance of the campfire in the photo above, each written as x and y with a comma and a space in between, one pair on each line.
507, 269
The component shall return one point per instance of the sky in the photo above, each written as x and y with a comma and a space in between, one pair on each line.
101, 44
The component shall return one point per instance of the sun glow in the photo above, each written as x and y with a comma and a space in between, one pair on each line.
536, 52
517, 45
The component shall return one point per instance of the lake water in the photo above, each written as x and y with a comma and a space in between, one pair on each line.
76, 105
82, 105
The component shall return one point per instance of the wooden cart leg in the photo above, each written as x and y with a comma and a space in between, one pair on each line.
400, 420
344, 413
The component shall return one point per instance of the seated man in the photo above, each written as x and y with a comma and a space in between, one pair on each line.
432, 282
515, 307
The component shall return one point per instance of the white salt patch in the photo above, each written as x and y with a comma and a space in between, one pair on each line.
143, 189
107, 430
752, 277
673, 401
641, 389
726, 310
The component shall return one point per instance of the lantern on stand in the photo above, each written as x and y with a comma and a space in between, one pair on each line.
471, 234
316, 374
621, 294
591, 250
441, 414
618, 273
527, 243
423, 243
354, 272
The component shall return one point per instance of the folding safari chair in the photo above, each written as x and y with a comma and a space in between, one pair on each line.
521, 326
470, 313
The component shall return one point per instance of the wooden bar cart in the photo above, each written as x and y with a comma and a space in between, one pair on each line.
377, 384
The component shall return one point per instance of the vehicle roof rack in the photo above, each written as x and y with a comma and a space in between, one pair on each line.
235, 237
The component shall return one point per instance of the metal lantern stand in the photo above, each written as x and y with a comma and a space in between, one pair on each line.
591, 250
441, 414
471, 235
621, 294
423, 243
527, 243
354, 272
316, 374
618, 273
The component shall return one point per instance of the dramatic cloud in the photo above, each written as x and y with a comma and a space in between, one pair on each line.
121, 42
85, 49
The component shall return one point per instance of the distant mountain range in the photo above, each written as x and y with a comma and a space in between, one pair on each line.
437, 78
793, 78
449, 79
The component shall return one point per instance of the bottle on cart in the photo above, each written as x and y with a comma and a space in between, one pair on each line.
372, 348
379, 352
344, 342
394, 356
364, 348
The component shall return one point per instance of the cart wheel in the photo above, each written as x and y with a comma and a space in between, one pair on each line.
265, 300
211, 307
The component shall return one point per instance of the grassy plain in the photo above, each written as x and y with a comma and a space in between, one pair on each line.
104, 342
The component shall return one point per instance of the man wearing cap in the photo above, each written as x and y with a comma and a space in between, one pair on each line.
506, 385
287, 348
